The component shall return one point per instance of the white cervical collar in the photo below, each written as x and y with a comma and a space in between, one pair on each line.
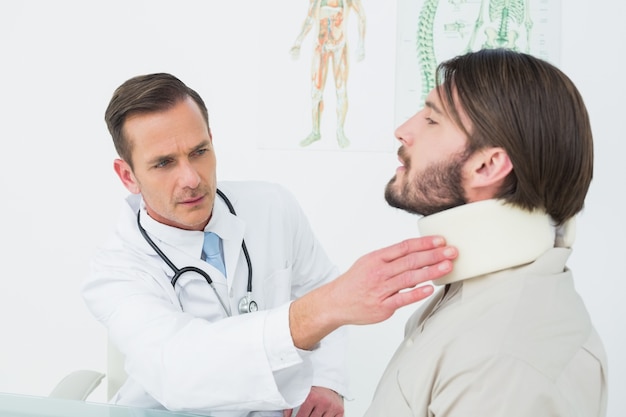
492, 236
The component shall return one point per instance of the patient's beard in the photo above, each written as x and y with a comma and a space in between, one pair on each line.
436, 188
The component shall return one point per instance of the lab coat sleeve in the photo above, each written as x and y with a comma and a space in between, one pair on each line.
312, 268
187, 363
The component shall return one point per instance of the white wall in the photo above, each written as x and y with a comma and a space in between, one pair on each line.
61, 61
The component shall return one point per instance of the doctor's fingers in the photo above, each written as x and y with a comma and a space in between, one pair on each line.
400, 266
408, 246
403, 289
410, 254
411, 269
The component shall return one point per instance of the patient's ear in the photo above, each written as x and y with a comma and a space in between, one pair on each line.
485, 172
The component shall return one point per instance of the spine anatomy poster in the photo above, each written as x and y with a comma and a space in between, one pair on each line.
430, 31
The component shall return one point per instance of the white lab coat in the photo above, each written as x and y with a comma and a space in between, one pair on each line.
182, 352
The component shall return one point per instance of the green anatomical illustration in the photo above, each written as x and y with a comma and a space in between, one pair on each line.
496, 24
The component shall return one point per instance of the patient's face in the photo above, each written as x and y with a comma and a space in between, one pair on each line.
433, 153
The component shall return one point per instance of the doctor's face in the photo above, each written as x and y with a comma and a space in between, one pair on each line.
173, 165
433, 153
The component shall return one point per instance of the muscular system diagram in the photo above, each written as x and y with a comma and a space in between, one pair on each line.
330, 52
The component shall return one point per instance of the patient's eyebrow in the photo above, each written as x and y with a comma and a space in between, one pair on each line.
433, 106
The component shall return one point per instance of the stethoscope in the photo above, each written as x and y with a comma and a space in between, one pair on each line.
246, 304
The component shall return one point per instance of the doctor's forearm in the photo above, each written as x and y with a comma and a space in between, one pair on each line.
311, 317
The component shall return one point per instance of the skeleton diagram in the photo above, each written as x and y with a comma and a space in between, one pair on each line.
331, 46
499, 23
501, 14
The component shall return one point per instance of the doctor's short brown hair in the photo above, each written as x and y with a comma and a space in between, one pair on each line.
145, 94
533, 111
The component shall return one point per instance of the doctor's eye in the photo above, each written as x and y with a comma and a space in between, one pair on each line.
200, 152
162, 163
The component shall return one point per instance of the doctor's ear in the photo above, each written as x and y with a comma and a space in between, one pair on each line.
124, 171
486, 171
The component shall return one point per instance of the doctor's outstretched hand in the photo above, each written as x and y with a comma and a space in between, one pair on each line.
374, 287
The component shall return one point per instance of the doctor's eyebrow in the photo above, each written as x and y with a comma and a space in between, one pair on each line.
203, 144
162, 158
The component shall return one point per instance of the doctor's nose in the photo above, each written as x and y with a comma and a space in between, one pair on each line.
188, 176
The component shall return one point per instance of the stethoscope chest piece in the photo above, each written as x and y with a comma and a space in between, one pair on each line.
247, 305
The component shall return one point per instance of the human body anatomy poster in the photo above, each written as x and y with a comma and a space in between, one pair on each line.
329, 64
430, 31
340, 75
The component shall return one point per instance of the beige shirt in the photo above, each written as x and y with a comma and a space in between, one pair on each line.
518, 342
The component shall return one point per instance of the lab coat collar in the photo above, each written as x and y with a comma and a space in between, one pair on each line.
180, 245
491, 236
187, 241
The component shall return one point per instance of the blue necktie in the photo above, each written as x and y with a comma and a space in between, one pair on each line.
212, 253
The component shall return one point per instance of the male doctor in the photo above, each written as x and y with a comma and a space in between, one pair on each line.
228, 339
